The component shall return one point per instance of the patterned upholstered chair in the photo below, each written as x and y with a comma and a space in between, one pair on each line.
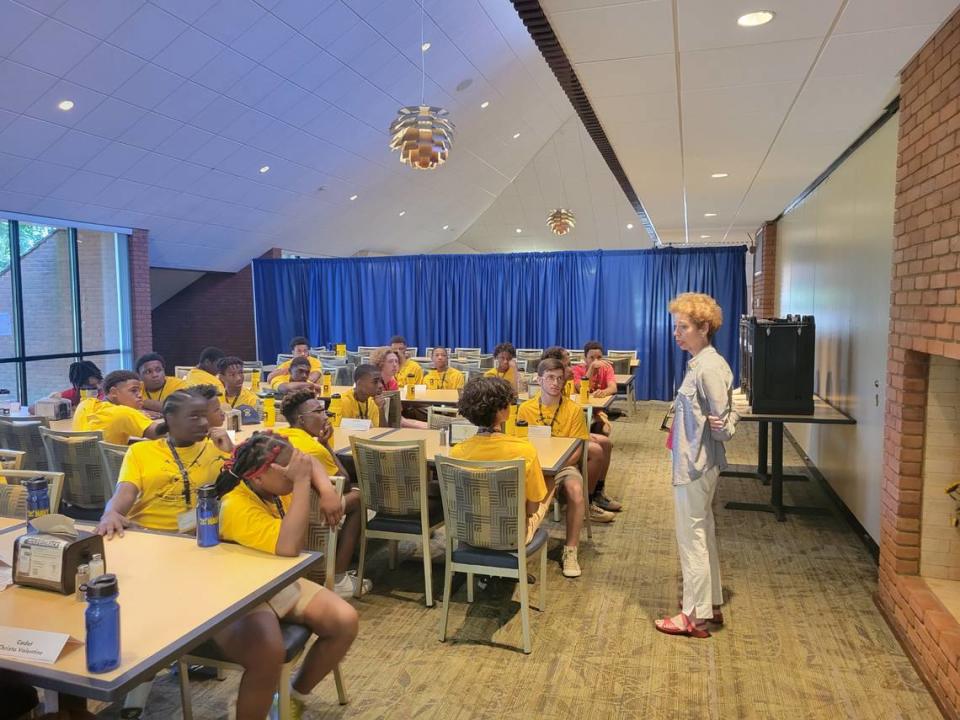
112, 456
484, 510
393, 482
12, 459
620, 363
466, 352
343, 374
393, 409
77, 456
13, 496
295, 637
21, 433
441, 416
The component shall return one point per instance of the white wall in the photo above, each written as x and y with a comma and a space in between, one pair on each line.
834, 259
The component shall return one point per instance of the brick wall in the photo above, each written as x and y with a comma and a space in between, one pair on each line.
764, 284
140, 305
924, 321
217, 310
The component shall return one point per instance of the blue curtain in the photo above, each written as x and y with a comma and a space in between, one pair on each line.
532, 299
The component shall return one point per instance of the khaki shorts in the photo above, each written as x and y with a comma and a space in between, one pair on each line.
290, 603
533, 521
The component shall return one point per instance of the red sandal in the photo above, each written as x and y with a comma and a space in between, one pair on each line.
689, 629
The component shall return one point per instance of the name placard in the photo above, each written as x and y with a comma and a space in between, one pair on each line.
355, 424
419, 390
33, 645
538, 431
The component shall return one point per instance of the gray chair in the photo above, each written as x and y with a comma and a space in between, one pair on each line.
441, 416
484, 510
112, 456
22, 433
486, 362
181, 371
621, 364
77, 455
465, 351
11, 459
393, 409
393, 483
252, 365
13, 496
343, 374
283, 357
632, 354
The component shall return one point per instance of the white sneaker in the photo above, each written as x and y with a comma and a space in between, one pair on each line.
569, 564
347, 585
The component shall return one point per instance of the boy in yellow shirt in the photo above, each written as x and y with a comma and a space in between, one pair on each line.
119, 416
156, 385
230, 372
505, 365
407, 365
310, 433
297, 379
265, 492
300, 347
442, 377
205, 373
365, 399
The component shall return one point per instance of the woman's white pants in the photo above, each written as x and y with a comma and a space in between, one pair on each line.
697, 544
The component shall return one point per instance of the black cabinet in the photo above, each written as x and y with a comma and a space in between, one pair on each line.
776, 363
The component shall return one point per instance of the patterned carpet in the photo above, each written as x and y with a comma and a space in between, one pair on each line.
803, 638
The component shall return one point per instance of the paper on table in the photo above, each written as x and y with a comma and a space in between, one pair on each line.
355, 424
538, 431
33, 645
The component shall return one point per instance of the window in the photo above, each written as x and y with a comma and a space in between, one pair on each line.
64, 296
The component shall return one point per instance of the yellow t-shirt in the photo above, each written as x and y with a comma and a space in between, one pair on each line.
306, 443
279, 380
315, 365
510, 375
196, 376
170, 385
149, 466
449, 379
565, 420
244, 397
506, 447
118, 423
410, 368
249, 520
350, 408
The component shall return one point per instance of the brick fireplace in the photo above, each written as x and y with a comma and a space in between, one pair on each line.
919, 552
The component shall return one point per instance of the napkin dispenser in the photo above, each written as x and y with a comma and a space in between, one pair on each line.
232, 420
54, 408
49, 562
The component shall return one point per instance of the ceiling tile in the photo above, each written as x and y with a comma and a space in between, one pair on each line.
150, 131
613, 78
713, 24
247, 125
11, 165
147, 31
185, 142
186, 10
28, 137
75, 149
863, 15
45, 108
881, 52
751, 64
262, 39
18, 23
182, 175
97, 17
22, 86
47, 7
111, 118
214, 151
218, 114
54, 48
336, 20
254, 86
82, 186
224, 70
151, 166
189, 52
105, 69
228, 19
299, 13
291, 56
615, 32
149, 86
115, 159
316, 72
186, 101
38, 178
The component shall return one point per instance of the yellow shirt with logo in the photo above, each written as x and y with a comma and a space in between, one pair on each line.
196, 376
449, 379
510, 375
150, 467
244, 397
410, 368
315, 365
250, 520
564, 419
306, 443
170, 385
497, 446
351, 408
118, 423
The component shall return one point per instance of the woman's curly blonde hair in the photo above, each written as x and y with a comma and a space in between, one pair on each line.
379, 356
700, 308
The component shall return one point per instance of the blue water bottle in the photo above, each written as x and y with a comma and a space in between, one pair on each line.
103, 624
38, 500
208, 516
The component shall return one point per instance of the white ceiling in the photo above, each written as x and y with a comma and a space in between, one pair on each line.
683, 92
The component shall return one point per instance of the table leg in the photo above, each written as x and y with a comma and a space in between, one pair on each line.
762, 449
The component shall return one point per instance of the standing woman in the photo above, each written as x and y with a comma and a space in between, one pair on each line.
703, 421
388, 360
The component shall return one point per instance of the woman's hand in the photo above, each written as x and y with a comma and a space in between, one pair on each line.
112, 523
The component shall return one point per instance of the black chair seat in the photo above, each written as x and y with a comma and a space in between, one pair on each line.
471, 555
409, 524
295, 637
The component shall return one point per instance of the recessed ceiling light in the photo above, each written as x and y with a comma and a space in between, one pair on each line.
402, 213
485, 104
629, 226
709, 214
704, 237
354, 197
516, 135
65, 105
265, 168
518, 230
753, 19
425, 47
720, 175
446, 227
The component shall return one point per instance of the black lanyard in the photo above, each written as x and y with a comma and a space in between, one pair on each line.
183, 471
159, 394
543, 420
362, 409
443, 379
276, 501
235, 400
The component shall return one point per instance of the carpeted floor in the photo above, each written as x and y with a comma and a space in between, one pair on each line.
803, 638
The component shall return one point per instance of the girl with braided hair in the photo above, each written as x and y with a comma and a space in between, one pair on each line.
82, 374
265, 489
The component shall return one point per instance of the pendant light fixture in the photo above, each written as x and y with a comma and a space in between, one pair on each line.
561, 221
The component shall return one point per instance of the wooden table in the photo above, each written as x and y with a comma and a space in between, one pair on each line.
6, 522
625, 387
173, 596
823, 414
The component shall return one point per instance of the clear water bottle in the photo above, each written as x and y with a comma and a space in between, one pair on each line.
38, 500
208, 516
102, 619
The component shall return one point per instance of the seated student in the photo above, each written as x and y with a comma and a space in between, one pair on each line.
505, 365
82, 374
309, 432
300, 347
119, 416
603, 382
216, 417
205, 373
156, 385
230, 372
442, 377
158, 483
408, 366
297, 379
565, 419
365, 398
600, 446
266, 492
486, 403
388, 360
